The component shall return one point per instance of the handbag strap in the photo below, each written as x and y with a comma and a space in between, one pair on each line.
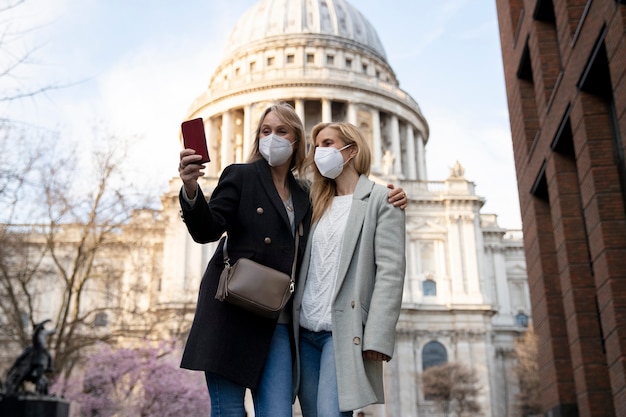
295, 258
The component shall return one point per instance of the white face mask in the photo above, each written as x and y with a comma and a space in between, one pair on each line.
275, 150
329, 161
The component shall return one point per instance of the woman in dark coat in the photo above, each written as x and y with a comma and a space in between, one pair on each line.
259, 205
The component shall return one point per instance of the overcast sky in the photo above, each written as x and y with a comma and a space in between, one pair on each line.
141, 63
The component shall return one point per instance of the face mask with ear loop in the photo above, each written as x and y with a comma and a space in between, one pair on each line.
275, 149
329, 161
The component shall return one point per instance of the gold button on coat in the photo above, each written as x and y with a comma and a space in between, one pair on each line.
259, 210
267, 240
356, 340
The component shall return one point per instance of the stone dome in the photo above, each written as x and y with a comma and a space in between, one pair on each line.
276, 18
326, 60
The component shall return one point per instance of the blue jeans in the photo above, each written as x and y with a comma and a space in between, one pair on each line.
273, 396
319, 396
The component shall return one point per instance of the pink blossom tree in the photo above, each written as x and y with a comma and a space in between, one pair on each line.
144, 382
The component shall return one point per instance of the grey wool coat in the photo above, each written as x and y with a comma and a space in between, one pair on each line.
368, 294
225, 339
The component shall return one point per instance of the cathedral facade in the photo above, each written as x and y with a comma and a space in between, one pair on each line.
466, 296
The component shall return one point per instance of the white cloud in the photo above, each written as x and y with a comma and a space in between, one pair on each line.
146, 95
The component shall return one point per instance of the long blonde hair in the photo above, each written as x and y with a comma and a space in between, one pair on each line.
323, 189
287, 115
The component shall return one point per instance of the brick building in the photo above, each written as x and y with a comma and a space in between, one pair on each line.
565, 72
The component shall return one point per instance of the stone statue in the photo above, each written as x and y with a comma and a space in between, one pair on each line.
388, 160
457, 171
32, 365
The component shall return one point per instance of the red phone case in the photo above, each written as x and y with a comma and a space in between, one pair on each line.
194, 138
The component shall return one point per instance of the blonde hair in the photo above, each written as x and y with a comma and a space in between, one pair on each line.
287, 115
323, 189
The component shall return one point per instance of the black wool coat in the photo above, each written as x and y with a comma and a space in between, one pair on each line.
225, 339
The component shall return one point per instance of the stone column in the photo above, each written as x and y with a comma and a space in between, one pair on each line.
394, 130
248, 140
412, 289
421, 158
411, 169
377, 153
352, 114
480, 354
502, 294
407, 372
299, 107
327, 111
227, 139
238, 137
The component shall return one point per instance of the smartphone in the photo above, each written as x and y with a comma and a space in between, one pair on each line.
195, 138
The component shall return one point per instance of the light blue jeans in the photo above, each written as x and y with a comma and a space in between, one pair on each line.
319, 396
273, 396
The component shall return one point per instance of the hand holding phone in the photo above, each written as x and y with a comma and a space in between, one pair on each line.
195, 138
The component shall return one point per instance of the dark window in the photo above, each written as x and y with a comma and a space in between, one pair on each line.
596, 78
521, 320
563, 141
540, 187
101, 320
544, 11
433, 354
429, 287
525, 70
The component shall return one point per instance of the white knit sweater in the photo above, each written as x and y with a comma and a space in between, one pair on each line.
326, 246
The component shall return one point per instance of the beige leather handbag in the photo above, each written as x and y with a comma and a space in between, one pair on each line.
255, 287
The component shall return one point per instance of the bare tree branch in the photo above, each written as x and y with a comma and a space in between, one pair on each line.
68, 249
75, 258
10, 5
16, 56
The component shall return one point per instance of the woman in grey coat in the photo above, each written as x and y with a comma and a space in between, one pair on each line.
349, 292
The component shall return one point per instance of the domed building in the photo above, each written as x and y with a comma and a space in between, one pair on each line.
466, 296
326, 59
